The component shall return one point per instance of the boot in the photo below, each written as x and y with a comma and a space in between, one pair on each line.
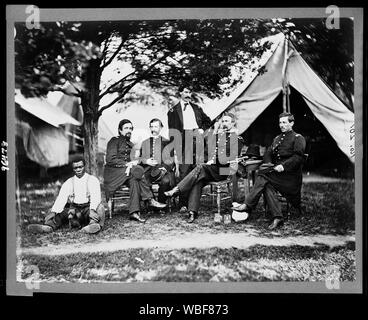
192, 216
137, 217
171, 192
277, 222
153, 203
92, 228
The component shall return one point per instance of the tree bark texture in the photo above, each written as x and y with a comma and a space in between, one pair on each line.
90, 110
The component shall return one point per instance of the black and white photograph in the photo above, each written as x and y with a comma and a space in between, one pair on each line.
184, 150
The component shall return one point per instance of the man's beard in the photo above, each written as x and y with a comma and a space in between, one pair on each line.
128, 135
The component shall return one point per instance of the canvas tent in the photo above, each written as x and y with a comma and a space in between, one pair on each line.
284, 66
40, 126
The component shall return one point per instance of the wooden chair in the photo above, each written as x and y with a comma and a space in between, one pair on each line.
228, 189
123, 194
120, 194
169, 200
251, 167
217, 190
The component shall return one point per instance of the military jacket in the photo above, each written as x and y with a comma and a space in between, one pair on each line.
224, 147
288, 150
119, 151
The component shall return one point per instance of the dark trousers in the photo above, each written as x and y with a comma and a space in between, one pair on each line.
193, 184
184, 170
139, 189
263, 186
166, 183
82, 216
189, 162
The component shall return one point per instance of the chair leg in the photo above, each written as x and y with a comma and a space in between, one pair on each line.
110, 207
169, 204
218, 199
288, 213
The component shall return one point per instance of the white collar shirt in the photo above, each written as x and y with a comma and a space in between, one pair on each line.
80, 190
189, 119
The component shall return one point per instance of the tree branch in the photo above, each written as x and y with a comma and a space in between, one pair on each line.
113, 85
106, 45
113, 55
120, 97
153, 80
130, 86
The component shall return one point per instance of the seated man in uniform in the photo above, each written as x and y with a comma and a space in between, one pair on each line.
84, 209
281, 171
224, 148
121, 169
156, 160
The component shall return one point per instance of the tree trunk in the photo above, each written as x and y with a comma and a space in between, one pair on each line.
90, 110
90, 132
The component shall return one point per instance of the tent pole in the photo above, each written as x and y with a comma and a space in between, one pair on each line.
285, 89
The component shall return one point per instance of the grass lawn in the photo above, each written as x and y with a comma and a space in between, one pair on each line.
259, 263
328, 210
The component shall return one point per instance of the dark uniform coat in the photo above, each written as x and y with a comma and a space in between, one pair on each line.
222, 148
288, 150
118, 154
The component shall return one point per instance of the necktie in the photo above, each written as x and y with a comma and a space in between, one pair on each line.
185, 105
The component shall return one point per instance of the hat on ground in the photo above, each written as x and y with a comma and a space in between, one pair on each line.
137, 172
239, 216
253, 151
157, 174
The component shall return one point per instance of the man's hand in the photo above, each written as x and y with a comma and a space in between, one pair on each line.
233, 167
163, 169
279, 168
216, 127
209, 162
151, 162
200, 131
132, 163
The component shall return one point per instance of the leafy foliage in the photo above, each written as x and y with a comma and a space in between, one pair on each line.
208, 56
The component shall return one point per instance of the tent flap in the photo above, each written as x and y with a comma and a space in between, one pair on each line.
46, 145
253, 98
45, 111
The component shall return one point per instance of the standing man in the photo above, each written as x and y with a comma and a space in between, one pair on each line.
120, 169
225, 147
78, 202
189, 120
281, 171
156, 160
